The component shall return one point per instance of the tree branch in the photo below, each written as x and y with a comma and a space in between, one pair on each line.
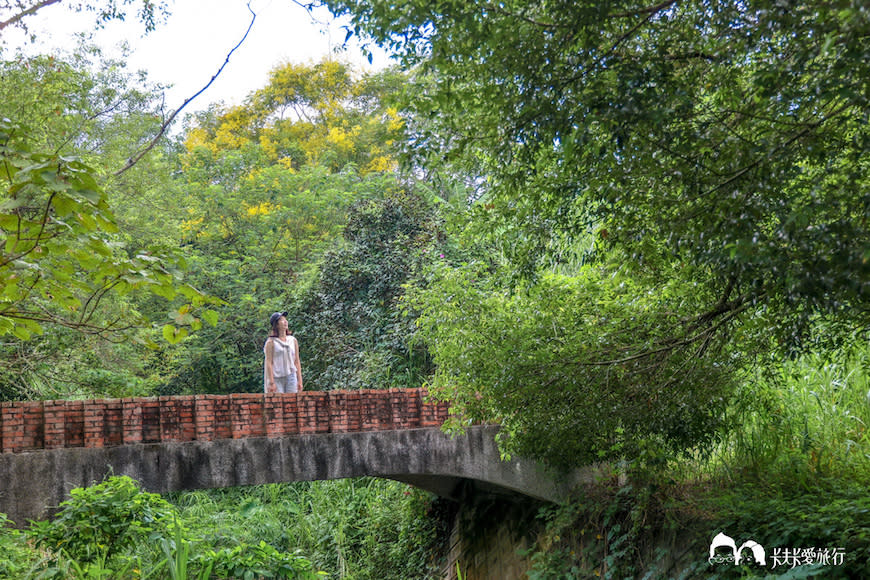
730, 310
647, 10
86, 328
165, 125
27, 12
764, 157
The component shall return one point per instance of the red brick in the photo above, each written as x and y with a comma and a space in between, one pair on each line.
377, 410
248, 416
405, 408
313, 412
74, 424
113, 423
11, 426
291, 414
429, 415
223, 419
187, 412
205, 419
274, 414
150, 419
94, 414
344, 411
34, 425
32, 434
55, 421
177, 418
131, 411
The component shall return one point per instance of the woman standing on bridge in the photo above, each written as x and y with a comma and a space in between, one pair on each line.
282, 370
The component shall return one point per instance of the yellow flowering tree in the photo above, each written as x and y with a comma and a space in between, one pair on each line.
266, 189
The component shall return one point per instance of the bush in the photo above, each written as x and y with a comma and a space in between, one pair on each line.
260, 561
105, 520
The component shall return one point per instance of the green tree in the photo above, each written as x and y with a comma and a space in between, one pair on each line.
113, 529
254, 248
60, 259
323, 113
721, 144
65, 264
355, 334
731, 136
266, 188
559, 363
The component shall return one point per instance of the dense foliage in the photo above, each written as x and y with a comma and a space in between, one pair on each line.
665, 532
531, 357
107, 519
353, 528
726, 136
790, 476
256, 250
66, 267
355, 332
268, 188
654, 247
250, 196
711, 156
361, 528
115, 530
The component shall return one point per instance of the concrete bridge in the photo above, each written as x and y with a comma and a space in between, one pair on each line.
207, 441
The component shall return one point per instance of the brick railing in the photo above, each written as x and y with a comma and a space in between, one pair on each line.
36, 425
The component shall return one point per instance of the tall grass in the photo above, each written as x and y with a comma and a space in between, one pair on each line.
353, 528
350, 528
791, 473
802, 422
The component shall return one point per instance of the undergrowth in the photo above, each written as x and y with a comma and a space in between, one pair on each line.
354, 528
649, 531
351, 528
792, 477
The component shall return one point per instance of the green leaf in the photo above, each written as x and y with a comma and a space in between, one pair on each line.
164, 290
211, 317
64, 205
6, 325
21, 332
173, 335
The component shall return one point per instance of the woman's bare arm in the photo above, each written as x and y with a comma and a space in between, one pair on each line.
270, 376
298, 364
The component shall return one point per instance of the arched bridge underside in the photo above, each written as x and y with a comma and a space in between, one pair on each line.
34, 482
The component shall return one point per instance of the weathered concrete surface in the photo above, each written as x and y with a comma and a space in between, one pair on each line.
32, 484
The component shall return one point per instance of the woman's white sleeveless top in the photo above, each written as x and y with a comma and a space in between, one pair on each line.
283, 357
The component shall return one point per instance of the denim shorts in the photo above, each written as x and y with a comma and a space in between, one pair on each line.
287, 384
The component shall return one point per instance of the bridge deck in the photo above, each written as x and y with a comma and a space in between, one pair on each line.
176, 443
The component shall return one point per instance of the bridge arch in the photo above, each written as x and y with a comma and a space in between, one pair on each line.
37, 476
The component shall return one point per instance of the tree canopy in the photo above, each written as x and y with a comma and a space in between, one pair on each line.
240, 207
62, 254
712, 153
267, 188
729, 135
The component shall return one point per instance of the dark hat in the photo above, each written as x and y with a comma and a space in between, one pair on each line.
275, 316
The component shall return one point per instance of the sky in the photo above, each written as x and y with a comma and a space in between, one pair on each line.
190, 47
